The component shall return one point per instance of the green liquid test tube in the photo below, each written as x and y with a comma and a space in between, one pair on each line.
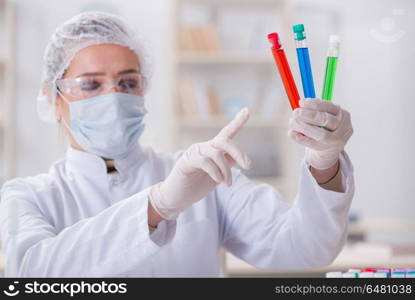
331, 67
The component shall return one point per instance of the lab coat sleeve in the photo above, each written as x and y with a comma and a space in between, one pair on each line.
263, 230
109, 244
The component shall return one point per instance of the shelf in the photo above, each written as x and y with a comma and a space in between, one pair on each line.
223, 58
194, 120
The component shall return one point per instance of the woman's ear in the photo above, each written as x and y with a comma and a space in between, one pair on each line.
58, 108
46, 94
58, 102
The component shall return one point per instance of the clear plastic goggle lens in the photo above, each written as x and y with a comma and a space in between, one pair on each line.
91, 86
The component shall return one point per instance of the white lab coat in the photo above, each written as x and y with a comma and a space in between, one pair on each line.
78, 220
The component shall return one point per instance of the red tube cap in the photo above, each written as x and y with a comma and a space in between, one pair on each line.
274, 39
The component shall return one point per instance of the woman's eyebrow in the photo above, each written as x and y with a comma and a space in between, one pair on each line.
103, 73
128, 71
91, 74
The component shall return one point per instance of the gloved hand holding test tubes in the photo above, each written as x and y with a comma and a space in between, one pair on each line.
322, 127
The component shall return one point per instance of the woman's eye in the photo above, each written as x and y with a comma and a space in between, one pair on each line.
90, 86
128, 84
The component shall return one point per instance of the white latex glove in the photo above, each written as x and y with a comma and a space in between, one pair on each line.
199, 170
322, 146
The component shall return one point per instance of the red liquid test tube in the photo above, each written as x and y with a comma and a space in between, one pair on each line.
284, 70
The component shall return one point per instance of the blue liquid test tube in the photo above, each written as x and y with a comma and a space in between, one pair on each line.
304, 61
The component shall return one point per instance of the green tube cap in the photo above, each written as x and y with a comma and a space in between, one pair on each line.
299, 32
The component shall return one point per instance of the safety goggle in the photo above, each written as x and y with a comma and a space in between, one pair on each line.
93, 85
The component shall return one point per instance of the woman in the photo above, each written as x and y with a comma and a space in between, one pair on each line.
114, 208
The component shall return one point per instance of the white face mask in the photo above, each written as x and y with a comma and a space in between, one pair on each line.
107, 125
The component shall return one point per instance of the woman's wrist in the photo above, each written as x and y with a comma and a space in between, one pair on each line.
153, 217
329, 179
326, 175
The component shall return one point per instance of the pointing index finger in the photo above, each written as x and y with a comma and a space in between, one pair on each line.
233, 127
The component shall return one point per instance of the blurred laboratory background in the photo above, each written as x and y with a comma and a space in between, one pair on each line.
211, 58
